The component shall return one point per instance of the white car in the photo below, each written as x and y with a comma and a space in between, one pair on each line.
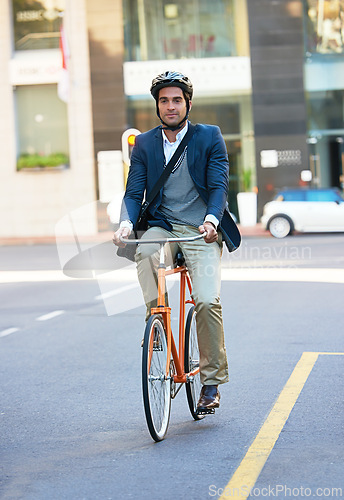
304, 210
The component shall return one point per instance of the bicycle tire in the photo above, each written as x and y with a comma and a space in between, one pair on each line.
191, 361
156, 389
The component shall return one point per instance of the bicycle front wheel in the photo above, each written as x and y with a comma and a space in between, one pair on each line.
191, 361
156, 386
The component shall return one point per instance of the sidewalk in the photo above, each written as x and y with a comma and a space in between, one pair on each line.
256, 231
253, 231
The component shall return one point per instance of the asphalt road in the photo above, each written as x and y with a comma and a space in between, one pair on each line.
72, 421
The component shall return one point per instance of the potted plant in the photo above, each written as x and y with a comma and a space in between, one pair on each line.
247, 200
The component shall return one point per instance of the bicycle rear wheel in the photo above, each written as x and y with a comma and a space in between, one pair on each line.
156, 388
191, 361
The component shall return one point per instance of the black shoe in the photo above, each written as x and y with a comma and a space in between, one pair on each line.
209, 400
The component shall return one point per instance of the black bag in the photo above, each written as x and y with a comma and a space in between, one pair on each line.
142, 222
230, 232
140, 228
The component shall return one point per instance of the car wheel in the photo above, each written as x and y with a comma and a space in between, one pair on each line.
280, 226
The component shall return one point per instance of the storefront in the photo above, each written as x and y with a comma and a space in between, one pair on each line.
41, 116
47, 160
271, 78
208, 41
324, 85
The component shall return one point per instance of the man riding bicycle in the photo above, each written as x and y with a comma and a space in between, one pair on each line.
192, 201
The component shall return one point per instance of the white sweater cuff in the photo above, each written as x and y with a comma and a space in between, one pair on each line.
212, 219
126, 223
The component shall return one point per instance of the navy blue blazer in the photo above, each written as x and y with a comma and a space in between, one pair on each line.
207, 160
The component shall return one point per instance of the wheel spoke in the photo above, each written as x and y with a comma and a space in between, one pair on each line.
155, 384
193, 386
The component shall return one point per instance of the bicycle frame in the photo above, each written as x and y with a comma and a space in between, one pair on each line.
178, 356
165, 312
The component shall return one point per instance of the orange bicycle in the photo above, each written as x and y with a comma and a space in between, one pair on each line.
164, 368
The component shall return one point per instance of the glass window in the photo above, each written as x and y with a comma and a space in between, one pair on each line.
291, 196
37, 23
42, 133
322, 195
141, 114
324, 26
325, 110
167, 29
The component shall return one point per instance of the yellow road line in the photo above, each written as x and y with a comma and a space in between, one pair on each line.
252, 464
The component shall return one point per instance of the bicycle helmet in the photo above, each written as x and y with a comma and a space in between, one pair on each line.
172, 79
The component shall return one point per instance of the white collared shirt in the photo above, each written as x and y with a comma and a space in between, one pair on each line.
171, 147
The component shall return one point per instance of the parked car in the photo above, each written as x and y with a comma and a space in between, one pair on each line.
304, 210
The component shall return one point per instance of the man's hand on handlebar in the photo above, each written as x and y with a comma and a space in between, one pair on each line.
123, 232
211, 232
207, 227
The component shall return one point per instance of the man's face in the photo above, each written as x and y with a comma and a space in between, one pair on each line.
172, 105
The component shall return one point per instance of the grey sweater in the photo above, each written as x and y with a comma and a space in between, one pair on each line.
181, 203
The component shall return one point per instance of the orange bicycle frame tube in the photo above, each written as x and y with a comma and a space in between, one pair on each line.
165, 312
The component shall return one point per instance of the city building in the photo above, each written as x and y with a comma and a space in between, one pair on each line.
75, 75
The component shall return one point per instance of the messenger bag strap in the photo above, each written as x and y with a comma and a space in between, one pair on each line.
168, 169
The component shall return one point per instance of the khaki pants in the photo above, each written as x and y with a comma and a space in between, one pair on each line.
204, 264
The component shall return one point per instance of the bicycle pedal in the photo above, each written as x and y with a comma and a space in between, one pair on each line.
205, 411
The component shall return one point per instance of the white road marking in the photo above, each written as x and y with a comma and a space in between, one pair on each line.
298, 274
51, 315
273, 274
310, 275
8, 331
117, 291
45, 317
33, 276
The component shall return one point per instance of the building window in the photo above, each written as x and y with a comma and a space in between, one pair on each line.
42, 133
222, 112
37, 23
176, 29
324, 26
325, 110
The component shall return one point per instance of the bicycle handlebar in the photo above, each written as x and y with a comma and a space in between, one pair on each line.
162, 241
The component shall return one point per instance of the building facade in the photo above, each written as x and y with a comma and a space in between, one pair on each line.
269, 72
34, 122
296, 50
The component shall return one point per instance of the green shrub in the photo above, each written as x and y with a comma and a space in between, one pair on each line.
34, 160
